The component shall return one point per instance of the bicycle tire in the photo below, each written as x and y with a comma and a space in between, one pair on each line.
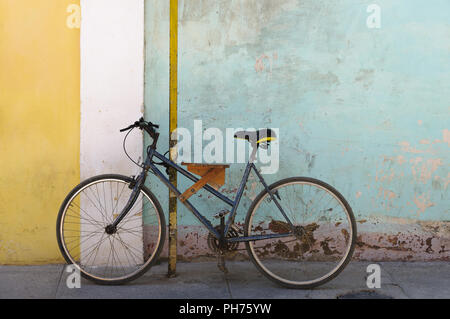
289, 283
60, 229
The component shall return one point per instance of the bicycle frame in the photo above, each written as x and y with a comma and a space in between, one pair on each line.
149, 164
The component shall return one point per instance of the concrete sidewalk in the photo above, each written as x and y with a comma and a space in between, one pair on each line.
204, 280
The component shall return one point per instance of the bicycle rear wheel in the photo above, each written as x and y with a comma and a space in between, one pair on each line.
105, 257
325, 233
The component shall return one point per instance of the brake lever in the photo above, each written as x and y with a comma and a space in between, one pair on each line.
127, 128
139, 124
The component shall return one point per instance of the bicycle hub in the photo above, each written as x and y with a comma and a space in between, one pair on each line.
110, 229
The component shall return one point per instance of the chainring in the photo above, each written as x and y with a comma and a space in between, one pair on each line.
213, 242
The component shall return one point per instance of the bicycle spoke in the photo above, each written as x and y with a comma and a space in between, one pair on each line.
320, 242
117, 255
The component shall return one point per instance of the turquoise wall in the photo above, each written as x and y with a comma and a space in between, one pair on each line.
366, 110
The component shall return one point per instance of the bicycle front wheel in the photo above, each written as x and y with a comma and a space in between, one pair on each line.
101, 255
324, 237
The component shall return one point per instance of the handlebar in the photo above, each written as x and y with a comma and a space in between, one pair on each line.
149, 127
141, 124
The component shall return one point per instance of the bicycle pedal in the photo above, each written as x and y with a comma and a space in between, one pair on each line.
221, 214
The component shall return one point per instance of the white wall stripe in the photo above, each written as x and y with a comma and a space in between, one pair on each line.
112, 84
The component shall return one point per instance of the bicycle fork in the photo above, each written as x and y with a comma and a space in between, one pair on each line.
136, 185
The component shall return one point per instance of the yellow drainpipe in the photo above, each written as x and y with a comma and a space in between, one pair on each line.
172, 141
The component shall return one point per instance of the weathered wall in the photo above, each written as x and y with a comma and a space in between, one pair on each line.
364, 109
39, 124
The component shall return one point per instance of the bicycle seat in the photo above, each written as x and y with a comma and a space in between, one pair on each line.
256, 137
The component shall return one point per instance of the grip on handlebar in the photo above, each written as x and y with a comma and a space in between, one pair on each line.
127, 128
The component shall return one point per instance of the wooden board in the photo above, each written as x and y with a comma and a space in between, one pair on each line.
216, 180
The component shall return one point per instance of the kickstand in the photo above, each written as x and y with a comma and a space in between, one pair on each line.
221, 250
221, 262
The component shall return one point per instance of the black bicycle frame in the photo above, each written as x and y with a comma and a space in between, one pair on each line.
149, 164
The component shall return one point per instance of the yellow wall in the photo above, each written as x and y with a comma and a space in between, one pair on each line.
39, 125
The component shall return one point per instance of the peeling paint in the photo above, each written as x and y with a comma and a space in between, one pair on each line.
407, 148
422, 202
422, 170
394, 239
446, 137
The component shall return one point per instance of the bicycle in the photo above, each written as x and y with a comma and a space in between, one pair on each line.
299, 232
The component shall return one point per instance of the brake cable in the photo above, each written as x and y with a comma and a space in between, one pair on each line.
141, 165
125, 150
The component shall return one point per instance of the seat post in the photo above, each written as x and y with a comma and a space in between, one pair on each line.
254, 149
